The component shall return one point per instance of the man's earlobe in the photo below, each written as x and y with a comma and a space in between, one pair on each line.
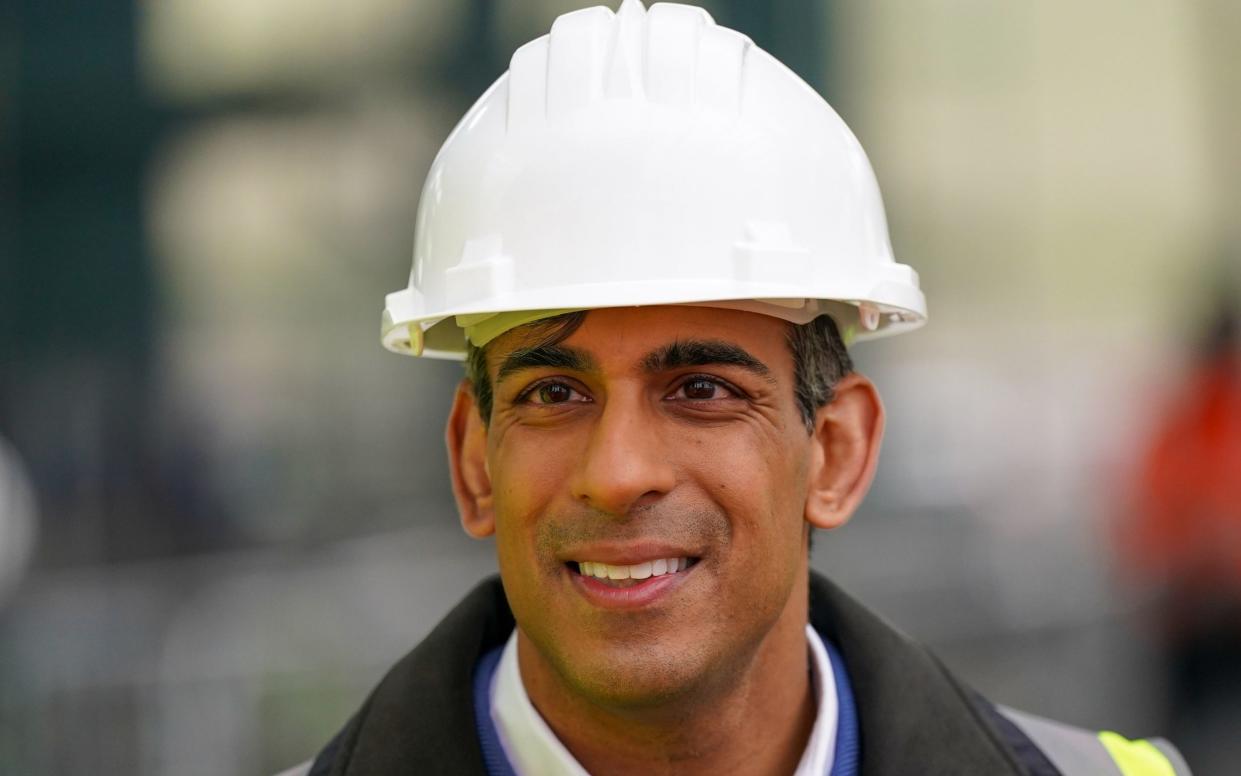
847, 433
466, 437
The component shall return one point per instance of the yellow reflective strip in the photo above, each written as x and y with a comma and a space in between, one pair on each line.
1136, 758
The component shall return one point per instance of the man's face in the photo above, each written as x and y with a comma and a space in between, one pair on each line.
662, 436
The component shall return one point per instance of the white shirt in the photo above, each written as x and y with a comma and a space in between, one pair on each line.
533, 749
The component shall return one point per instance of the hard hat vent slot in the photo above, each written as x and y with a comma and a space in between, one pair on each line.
483, 272
768, 252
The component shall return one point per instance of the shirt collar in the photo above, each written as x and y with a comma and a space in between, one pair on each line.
532, 747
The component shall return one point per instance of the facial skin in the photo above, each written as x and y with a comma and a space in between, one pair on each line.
649, 433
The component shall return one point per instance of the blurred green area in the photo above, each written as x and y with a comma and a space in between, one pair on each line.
205, 202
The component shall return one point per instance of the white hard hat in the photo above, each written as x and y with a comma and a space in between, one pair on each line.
647, 157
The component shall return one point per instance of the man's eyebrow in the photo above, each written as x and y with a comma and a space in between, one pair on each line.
539, 356
683, 353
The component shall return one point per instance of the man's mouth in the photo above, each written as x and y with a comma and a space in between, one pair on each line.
615, 575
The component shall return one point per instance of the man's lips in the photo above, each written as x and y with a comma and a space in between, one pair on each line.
629, 572
629, 585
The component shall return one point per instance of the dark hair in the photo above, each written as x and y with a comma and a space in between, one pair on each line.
820, 360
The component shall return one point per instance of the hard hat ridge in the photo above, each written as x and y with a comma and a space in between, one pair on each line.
670, 54
624, 68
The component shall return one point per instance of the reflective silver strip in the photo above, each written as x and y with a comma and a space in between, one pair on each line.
1168, 750
1074, 751
1078, 752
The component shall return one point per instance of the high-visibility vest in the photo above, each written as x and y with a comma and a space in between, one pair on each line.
1079, 752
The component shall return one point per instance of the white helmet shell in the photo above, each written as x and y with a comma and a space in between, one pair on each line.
647, 157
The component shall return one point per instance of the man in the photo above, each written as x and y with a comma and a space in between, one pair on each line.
651, 241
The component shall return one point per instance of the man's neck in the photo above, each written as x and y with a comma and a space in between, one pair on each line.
755, 718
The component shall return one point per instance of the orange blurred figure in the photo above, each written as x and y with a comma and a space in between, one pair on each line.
1187, 526
1183, 536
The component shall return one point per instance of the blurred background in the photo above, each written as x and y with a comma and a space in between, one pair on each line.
224, 508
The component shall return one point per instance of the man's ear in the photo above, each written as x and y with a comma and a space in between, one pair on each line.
466, 437
846, 437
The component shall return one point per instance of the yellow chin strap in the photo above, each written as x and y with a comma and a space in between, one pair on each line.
484, 327
481, 328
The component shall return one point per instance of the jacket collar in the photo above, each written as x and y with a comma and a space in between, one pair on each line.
915, 717
420, 719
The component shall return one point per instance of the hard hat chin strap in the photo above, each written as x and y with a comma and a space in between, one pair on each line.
482, 328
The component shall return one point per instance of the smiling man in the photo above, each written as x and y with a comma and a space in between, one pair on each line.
650, 242
651, 481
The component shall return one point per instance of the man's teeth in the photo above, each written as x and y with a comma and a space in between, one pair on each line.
651, 568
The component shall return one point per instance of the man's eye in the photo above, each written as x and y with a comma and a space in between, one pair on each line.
701, 388
554, 393
551, 393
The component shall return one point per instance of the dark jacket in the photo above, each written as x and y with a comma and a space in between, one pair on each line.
915, 716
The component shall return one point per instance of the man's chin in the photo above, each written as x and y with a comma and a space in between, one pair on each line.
628, 678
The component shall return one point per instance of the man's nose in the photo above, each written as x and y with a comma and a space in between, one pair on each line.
625, 465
